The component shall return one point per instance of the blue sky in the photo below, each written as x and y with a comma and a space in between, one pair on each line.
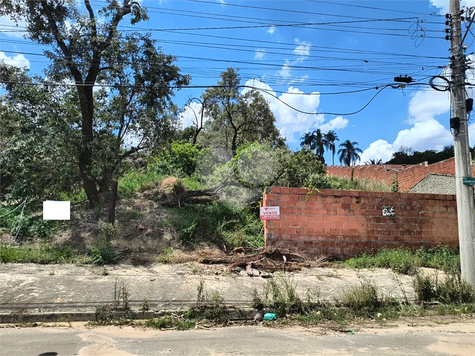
310, 54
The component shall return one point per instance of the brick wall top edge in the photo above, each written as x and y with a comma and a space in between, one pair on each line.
347, 193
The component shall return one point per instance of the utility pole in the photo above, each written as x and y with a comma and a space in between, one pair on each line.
464, 193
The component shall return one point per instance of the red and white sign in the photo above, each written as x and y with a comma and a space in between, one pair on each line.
270, 213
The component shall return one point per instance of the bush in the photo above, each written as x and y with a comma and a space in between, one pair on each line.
405, 261
299, 167
279, 295
182, 157
102, 252
362, 299
37, 253
22, 222
217, 223
453, 290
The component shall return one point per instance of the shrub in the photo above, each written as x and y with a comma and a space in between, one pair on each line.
217, 223
102, 252
452, 290
403, 260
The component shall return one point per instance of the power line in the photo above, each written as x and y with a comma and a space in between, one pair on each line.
262, 8
372, 8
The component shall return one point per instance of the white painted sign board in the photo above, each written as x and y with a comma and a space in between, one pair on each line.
270, 213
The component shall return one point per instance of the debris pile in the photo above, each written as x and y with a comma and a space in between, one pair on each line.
254, 262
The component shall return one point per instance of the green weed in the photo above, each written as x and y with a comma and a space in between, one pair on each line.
43, 253
216, 223
102, 252
208, 307
279, 295
449, 290
405, 261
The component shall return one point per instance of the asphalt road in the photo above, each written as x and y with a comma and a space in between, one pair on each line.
452, 339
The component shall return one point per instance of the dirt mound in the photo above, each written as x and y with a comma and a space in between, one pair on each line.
172, 185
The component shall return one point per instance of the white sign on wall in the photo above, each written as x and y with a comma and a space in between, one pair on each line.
270, 213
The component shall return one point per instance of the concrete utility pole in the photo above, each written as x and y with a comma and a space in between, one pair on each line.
465, 202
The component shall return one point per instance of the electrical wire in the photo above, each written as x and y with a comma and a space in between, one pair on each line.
372, 8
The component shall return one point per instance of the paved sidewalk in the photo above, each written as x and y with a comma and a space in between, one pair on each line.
44, 292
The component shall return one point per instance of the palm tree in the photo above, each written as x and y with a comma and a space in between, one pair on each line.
319, 144
374, 161
349, 153
315, 142
329, 141
308, 140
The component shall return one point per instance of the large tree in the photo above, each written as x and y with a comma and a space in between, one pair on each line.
36, 133
329, 142
87, 49
236, 118
349, 153
315, 141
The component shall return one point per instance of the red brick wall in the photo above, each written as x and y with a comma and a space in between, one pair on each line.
342, 224
408, 176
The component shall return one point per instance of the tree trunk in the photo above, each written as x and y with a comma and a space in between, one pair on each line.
113, 200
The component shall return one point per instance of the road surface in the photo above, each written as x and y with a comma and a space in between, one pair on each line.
434, 340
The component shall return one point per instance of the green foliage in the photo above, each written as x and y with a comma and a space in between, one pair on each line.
90, 141
256, 165
21, 222
137, 179
349, 153
217, 223
236, 118
208, 307
298, 168
279, 295
37, 253
405, 261
182, 157
406, 155
450, 289
102, 252
363, 299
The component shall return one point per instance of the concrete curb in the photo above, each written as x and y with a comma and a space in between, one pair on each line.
21, 316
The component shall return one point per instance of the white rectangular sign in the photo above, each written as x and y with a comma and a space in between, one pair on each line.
270, 213
56, 210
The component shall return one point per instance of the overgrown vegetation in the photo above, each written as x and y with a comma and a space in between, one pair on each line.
406, 261
43, 253
217, 223
361, 301
208, 306
447, 289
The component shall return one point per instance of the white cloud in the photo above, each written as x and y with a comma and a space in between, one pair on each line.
221, 2
299, 79
443, 5
271, 30
302, 50
290, 122
337, 123
426, 132
427, 103
17, 29
379, 149
260, 53
18, 61
285, 71
188, 117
